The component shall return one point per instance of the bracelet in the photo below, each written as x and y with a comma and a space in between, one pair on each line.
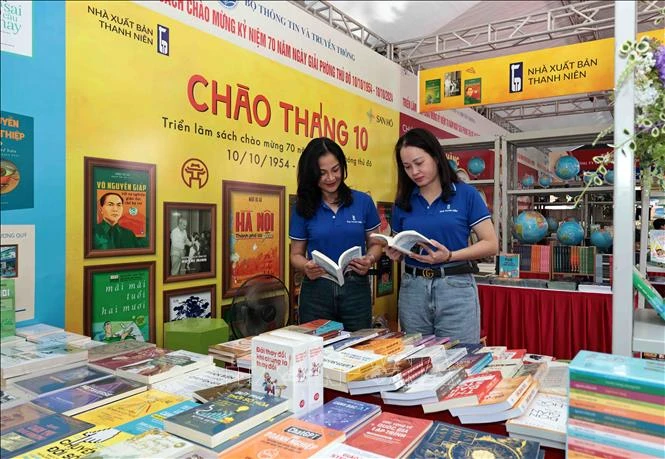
450, 255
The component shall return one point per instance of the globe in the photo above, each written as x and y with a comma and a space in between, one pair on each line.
476, 166
552, 224
570, 233
530, 227
602, 239
609, 177
567, 167
453, 164
545, 181
587, 177
528, 181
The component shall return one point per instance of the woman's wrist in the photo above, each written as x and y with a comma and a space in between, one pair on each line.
371, 257
449, 258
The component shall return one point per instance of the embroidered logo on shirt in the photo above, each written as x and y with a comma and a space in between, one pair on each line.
447, 209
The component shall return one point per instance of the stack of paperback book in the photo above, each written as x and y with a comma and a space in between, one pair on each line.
391, 376
544, 421
341, 367
343, 414
617, 406
231, 351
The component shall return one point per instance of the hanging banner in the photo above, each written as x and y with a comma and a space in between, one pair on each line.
573, 69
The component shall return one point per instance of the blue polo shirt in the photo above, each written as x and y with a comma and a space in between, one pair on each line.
332, 233
450, 222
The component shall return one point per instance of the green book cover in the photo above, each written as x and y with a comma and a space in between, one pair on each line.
7, 309
433, 91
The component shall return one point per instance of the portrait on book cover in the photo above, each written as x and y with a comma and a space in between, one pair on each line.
252, 231
192, 302
9, 261
384, 277
472, 91
452, 84
119, 302
119, 212
189, 241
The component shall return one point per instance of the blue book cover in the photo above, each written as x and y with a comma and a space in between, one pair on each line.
39, 432
446, 441
342, 414
41, 385
156, 419
253, 431
470, 348
621, 422
509, 266
642, 371
74, 400
227, 416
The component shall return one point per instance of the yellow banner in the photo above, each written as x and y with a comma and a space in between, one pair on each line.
572, 69
146, 88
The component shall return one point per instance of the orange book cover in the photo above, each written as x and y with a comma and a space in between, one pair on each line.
291, 438
390, 435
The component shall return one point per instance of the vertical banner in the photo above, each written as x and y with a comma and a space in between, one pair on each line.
16, 161
16, 29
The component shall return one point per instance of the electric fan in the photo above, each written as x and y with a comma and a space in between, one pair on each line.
261, 304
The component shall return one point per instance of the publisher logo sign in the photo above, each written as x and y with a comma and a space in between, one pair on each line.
162, 40
516, 76
194, 171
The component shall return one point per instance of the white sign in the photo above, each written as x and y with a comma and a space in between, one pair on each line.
18, 253
16, 27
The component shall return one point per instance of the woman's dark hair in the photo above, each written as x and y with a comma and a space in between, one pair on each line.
425, 140
309, 193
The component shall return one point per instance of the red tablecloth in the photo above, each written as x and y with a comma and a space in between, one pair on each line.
549, 322
443, 416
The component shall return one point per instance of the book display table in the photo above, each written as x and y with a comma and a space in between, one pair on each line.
545, 321
195, 334
443, 416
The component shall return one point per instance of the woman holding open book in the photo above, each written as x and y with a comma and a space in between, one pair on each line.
330, 219
438, 293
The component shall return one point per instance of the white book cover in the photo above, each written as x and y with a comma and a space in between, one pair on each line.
344, 451
37, 330
40, 359
519, 409
403, 241
188, 383
153, 443
338, 364
546, 418
279, 367
314, 374
336, 269
427, 386
555, 381
63, 337
164, 367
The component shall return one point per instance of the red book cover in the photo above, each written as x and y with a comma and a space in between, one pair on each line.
390, 435
469, 392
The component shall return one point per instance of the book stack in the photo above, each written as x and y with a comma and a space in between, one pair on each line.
340, 367
544, 421
110, 363
231, 351
440, 357
616, 406
391, 376
473, 363
469, 392
357, 337
328, 330
29, 358
343, 414
164, 367
429, 388
383, 346
59, 338
204, 378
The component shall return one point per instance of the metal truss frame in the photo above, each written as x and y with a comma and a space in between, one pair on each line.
588, 103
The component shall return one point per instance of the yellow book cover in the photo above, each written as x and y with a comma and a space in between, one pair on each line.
361, 371
79, 445
617, 402
508, 391
128, 409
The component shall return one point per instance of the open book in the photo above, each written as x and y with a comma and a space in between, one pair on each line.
336, 270
403, 241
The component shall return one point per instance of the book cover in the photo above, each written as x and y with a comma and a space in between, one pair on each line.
317, 327
230, 415
657, 246
335, 270
236, 440
507, 367
342, 414
116, 348
469, 392
37, 330
546, 417
151, 444
128, 409
290, 438
356, 337
164, 367
502, 397
473, 363
112, 363
389, 434
19, 414
509, 266
63, 337
212, 393
235, 348
430, 387
204, 378
344, 451
40, 359
447, 441
349, 364
392, 373
518, 409
155, 420
403, 241
640, 374
80, 445
34, 434
62, 379
11, 397
78, 399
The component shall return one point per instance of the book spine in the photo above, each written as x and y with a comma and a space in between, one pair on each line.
619, 382
616, 421
624, 442
605, 408
595, 450
617, 402
647, 439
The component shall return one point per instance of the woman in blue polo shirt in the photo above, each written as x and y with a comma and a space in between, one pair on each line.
331, 217
438, 293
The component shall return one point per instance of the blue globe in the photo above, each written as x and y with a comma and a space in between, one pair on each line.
476, 166
567, 167
602, 239
528, 181
570, 233
609, 177
545, 181
552, 224
586, 177
453, 164
530, 227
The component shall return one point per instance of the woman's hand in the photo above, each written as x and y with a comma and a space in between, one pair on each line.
393, 254
440, 254
361, 265
312, 270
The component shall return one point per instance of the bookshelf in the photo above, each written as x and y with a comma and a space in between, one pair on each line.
557, 260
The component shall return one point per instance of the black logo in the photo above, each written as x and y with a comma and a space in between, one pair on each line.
516, 77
